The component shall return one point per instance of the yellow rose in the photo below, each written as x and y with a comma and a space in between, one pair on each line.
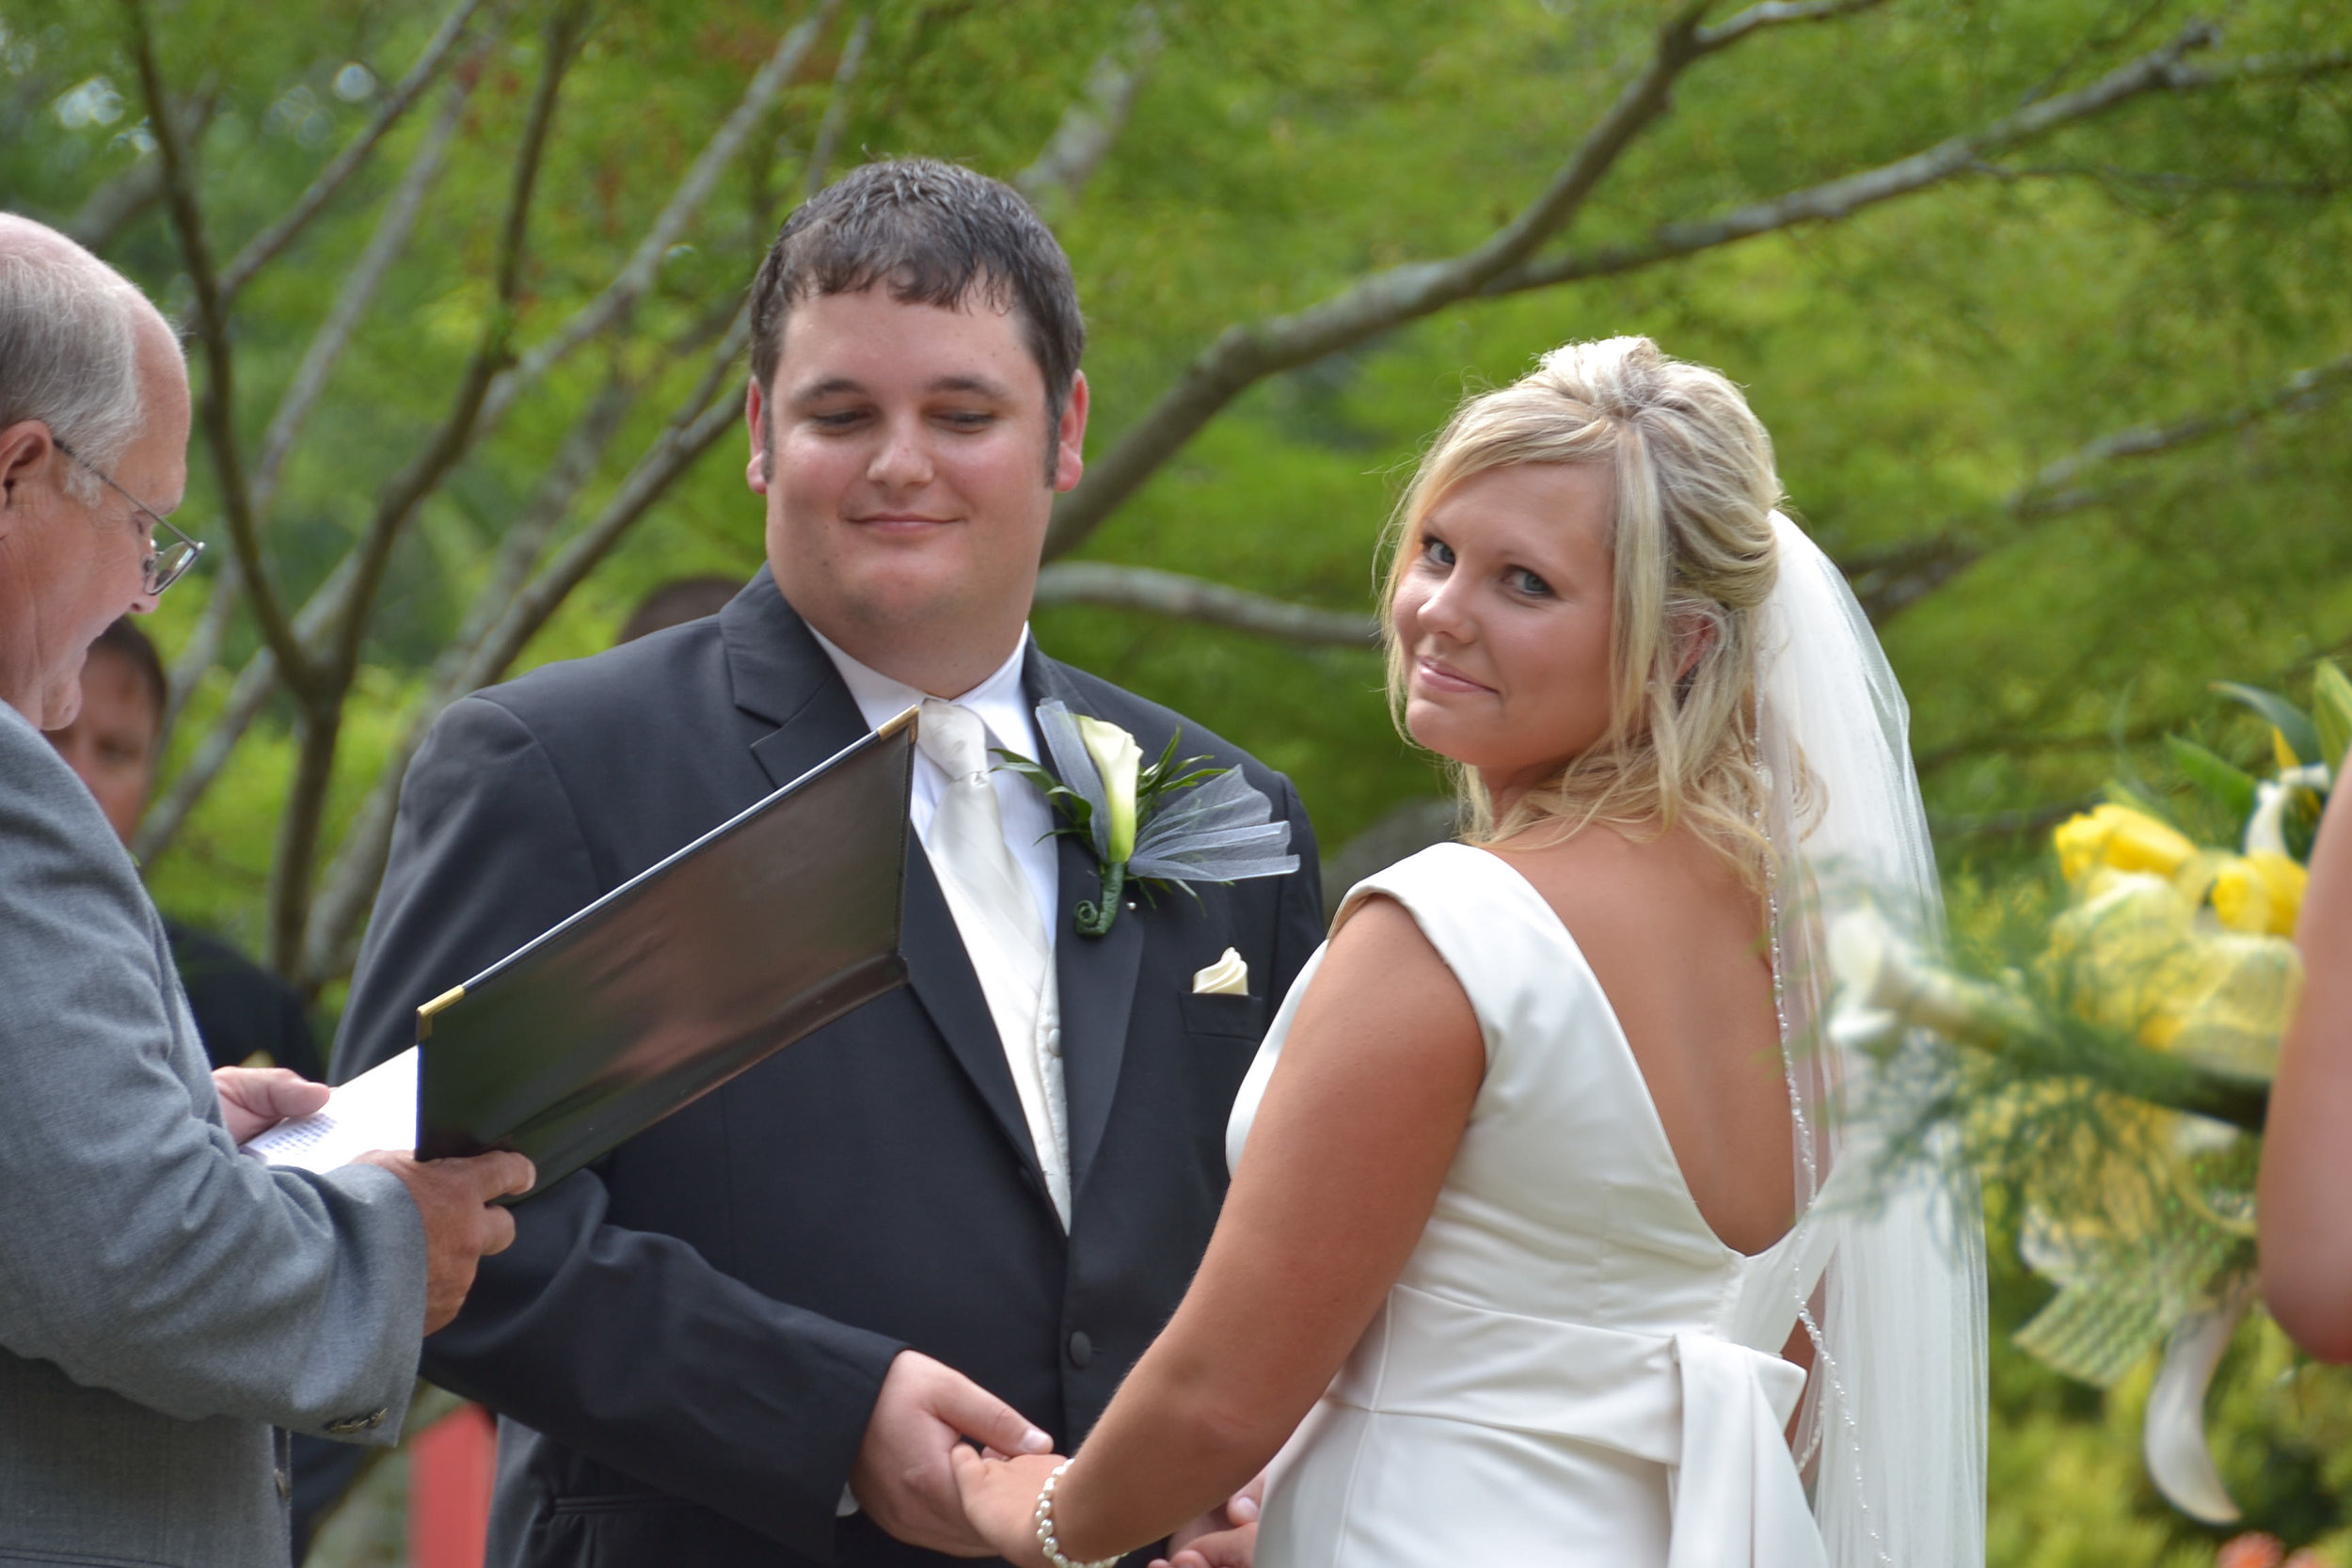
2241, 896
2284, 879
2121, 839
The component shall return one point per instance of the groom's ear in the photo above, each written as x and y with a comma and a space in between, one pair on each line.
1069, 437
762, 467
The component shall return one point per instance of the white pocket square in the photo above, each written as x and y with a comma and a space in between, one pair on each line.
1228, 977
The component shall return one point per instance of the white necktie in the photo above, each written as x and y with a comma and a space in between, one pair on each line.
997, 917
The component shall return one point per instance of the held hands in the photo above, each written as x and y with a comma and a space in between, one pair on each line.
903, 1478
1224, 1537
999, 1497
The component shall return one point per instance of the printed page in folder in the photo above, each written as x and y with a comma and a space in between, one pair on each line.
376, 1110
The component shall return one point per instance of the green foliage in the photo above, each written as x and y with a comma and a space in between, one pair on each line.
2229, 788
2293, 725
2332, 711
1919, 364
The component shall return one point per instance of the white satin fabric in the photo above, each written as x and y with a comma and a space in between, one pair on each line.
1572, 1368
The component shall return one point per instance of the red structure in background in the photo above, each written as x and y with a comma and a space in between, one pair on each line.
451, 1467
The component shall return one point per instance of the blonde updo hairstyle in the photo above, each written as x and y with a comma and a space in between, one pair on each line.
1692, 544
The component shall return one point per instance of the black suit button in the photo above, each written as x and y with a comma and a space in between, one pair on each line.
1081, 1349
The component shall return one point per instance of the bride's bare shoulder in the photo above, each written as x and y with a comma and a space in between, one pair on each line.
1605, 876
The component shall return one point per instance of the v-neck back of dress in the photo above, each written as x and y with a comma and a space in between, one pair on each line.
1569, 1331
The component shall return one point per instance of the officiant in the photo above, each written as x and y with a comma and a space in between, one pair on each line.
752, 1334
164, 1301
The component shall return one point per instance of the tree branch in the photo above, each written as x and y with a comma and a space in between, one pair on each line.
1372, 303
1779, 13
337, 603
2160, 69
837, 121
118, 202
2167, 179
266, 246
255, 685
218, 409
116, 205
635, 277
2008, 824
202, 649
349, 885
359, 291
1089, 126
2054, 488
1186, 598
713, 408
320, 722
567, 28
1891, 581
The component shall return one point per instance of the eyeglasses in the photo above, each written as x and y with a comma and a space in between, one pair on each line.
162, 564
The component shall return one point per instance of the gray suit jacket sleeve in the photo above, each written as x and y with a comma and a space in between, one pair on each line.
139, 1251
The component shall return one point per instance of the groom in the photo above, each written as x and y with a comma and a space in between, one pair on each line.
752, 1334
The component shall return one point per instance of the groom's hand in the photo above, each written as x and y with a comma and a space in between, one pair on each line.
904, 1478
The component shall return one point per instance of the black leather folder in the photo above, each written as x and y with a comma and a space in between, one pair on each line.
764, 930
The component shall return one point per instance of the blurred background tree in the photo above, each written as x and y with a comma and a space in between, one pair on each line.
2048, 304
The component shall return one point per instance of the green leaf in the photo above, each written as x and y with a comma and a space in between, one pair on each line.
2331, 709
1161, 779
2302, 736
2231, 787
1076, 807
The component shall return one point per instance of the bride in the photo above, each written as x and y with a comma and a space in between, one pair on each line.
1554, 1235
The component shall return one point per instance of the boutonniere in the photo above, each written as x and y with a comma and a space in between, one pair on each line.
1164, 825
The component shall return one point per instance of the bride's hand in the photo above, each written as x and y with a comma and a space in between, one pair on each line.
1224, 1537
1000, 1501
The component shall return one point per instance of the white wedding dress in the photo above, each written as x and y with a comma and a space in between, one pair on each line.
1572, 1368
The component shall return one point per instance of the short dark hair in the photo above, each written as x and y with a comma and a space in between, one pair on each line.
124, 637
933, 233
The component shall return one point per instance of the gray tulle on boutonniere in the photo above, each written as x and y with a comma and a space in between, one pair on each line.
1164, 825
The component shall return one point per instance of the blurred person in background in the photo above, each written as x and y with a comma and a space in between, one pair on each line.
676, 602
2305, 1201
246, 1016
164, 1301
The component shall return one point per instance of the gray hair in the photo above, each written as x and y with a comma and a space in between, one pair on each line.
69, 352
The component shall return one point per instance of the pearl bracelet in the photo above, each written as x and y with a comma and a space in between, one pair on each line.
1047, 1542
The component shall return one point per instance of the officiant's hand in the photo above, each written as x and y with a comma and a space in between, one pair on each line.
1223, 1537
461, 1224
904, 1479
253, 1100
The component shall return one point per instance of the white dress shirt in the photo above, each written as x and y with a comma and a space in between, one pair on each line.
1003, 707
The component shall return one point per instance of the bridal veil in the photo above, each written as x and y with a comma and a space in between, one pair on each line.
1892, 1430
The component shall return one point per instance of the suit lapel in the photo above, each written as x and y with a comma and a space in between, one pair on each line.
940, 970
782, 675
1096, 975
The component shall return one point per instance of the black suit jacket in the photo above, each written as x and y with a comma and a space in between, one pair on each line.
687, 1338
241, 1007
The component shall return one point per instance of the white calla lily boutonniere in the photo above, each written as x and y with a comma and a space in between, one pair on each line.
1167, 824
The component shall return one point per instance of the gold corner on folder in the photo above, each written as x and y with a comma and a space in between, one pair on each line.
425, 1013
906, 716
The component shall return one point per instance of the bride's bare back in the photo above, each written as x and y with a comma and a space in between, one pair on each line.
1679, 943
